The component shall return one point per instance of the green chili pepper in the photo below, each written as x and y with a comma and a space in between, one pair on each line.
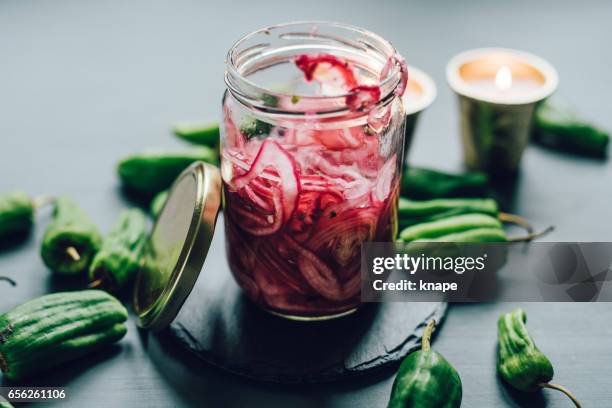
451, 225
157, 204
519, 362
151, 172
414, 212
476, 235
412, 208
426, 379
424, 184
116, 263
71, 239
16, 215
201, 133
558, 127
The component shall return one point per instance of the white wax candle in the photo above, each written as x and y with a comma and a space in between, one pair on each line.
501, 76
505, 85
420, 91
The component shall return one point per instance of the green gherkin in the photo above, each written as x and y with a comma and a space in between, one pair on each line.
117, 262
71, 239
53, 329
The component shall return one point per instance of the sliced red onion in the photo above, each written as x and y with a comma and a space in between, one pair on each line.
271, 154
362, 98
327, 70
384, 180
264, 225
318, 274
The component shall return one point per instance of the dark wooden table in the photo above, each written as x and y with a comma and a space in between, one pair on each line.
82, 83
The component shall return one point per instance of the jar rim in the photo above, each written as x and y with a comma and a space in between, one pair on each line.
249, 92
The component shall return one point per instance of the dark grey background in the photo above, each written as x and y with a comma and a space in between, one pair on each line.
84, 82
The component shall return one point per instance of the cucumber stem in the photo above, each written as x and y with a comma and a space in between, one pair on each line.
531, 236
516, 220
73, 254
564, 390
9, 280
426, 340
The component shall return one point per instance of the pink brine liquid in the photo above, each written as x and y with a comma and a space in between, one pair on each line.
300, 201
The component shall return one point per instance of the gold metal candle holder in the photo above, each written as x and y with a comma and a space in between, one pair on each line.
420, 93
498, 90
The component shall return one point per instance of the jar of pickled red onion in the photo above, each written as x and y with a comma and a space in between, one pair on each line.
311, 153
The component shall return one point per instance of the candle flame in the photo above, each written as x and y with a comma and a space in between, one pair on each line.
503, 78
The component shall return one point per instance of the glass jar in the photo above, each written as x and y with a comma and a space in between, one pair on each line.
311, 153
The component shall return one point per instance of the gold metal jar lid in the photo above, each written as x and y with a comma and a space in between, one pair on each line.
177, 247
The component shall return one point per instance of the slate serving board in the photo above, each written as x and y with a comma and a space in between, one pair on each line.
219, 325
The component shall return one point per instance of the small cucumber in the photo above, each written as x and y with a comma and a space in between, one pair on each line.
116, 263
71, 239
53, 329
152, 172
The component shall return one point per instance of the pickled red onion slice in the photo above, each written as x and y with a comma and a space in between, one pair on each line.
255, 199
382, 188
271, 154
342, 236
261, 225
318, 274
336, 75
327, 70
362, 98
273, 257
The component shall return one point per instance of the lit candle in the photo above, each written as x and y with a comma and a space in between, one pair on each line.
420, 93
498, 90
504, 86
